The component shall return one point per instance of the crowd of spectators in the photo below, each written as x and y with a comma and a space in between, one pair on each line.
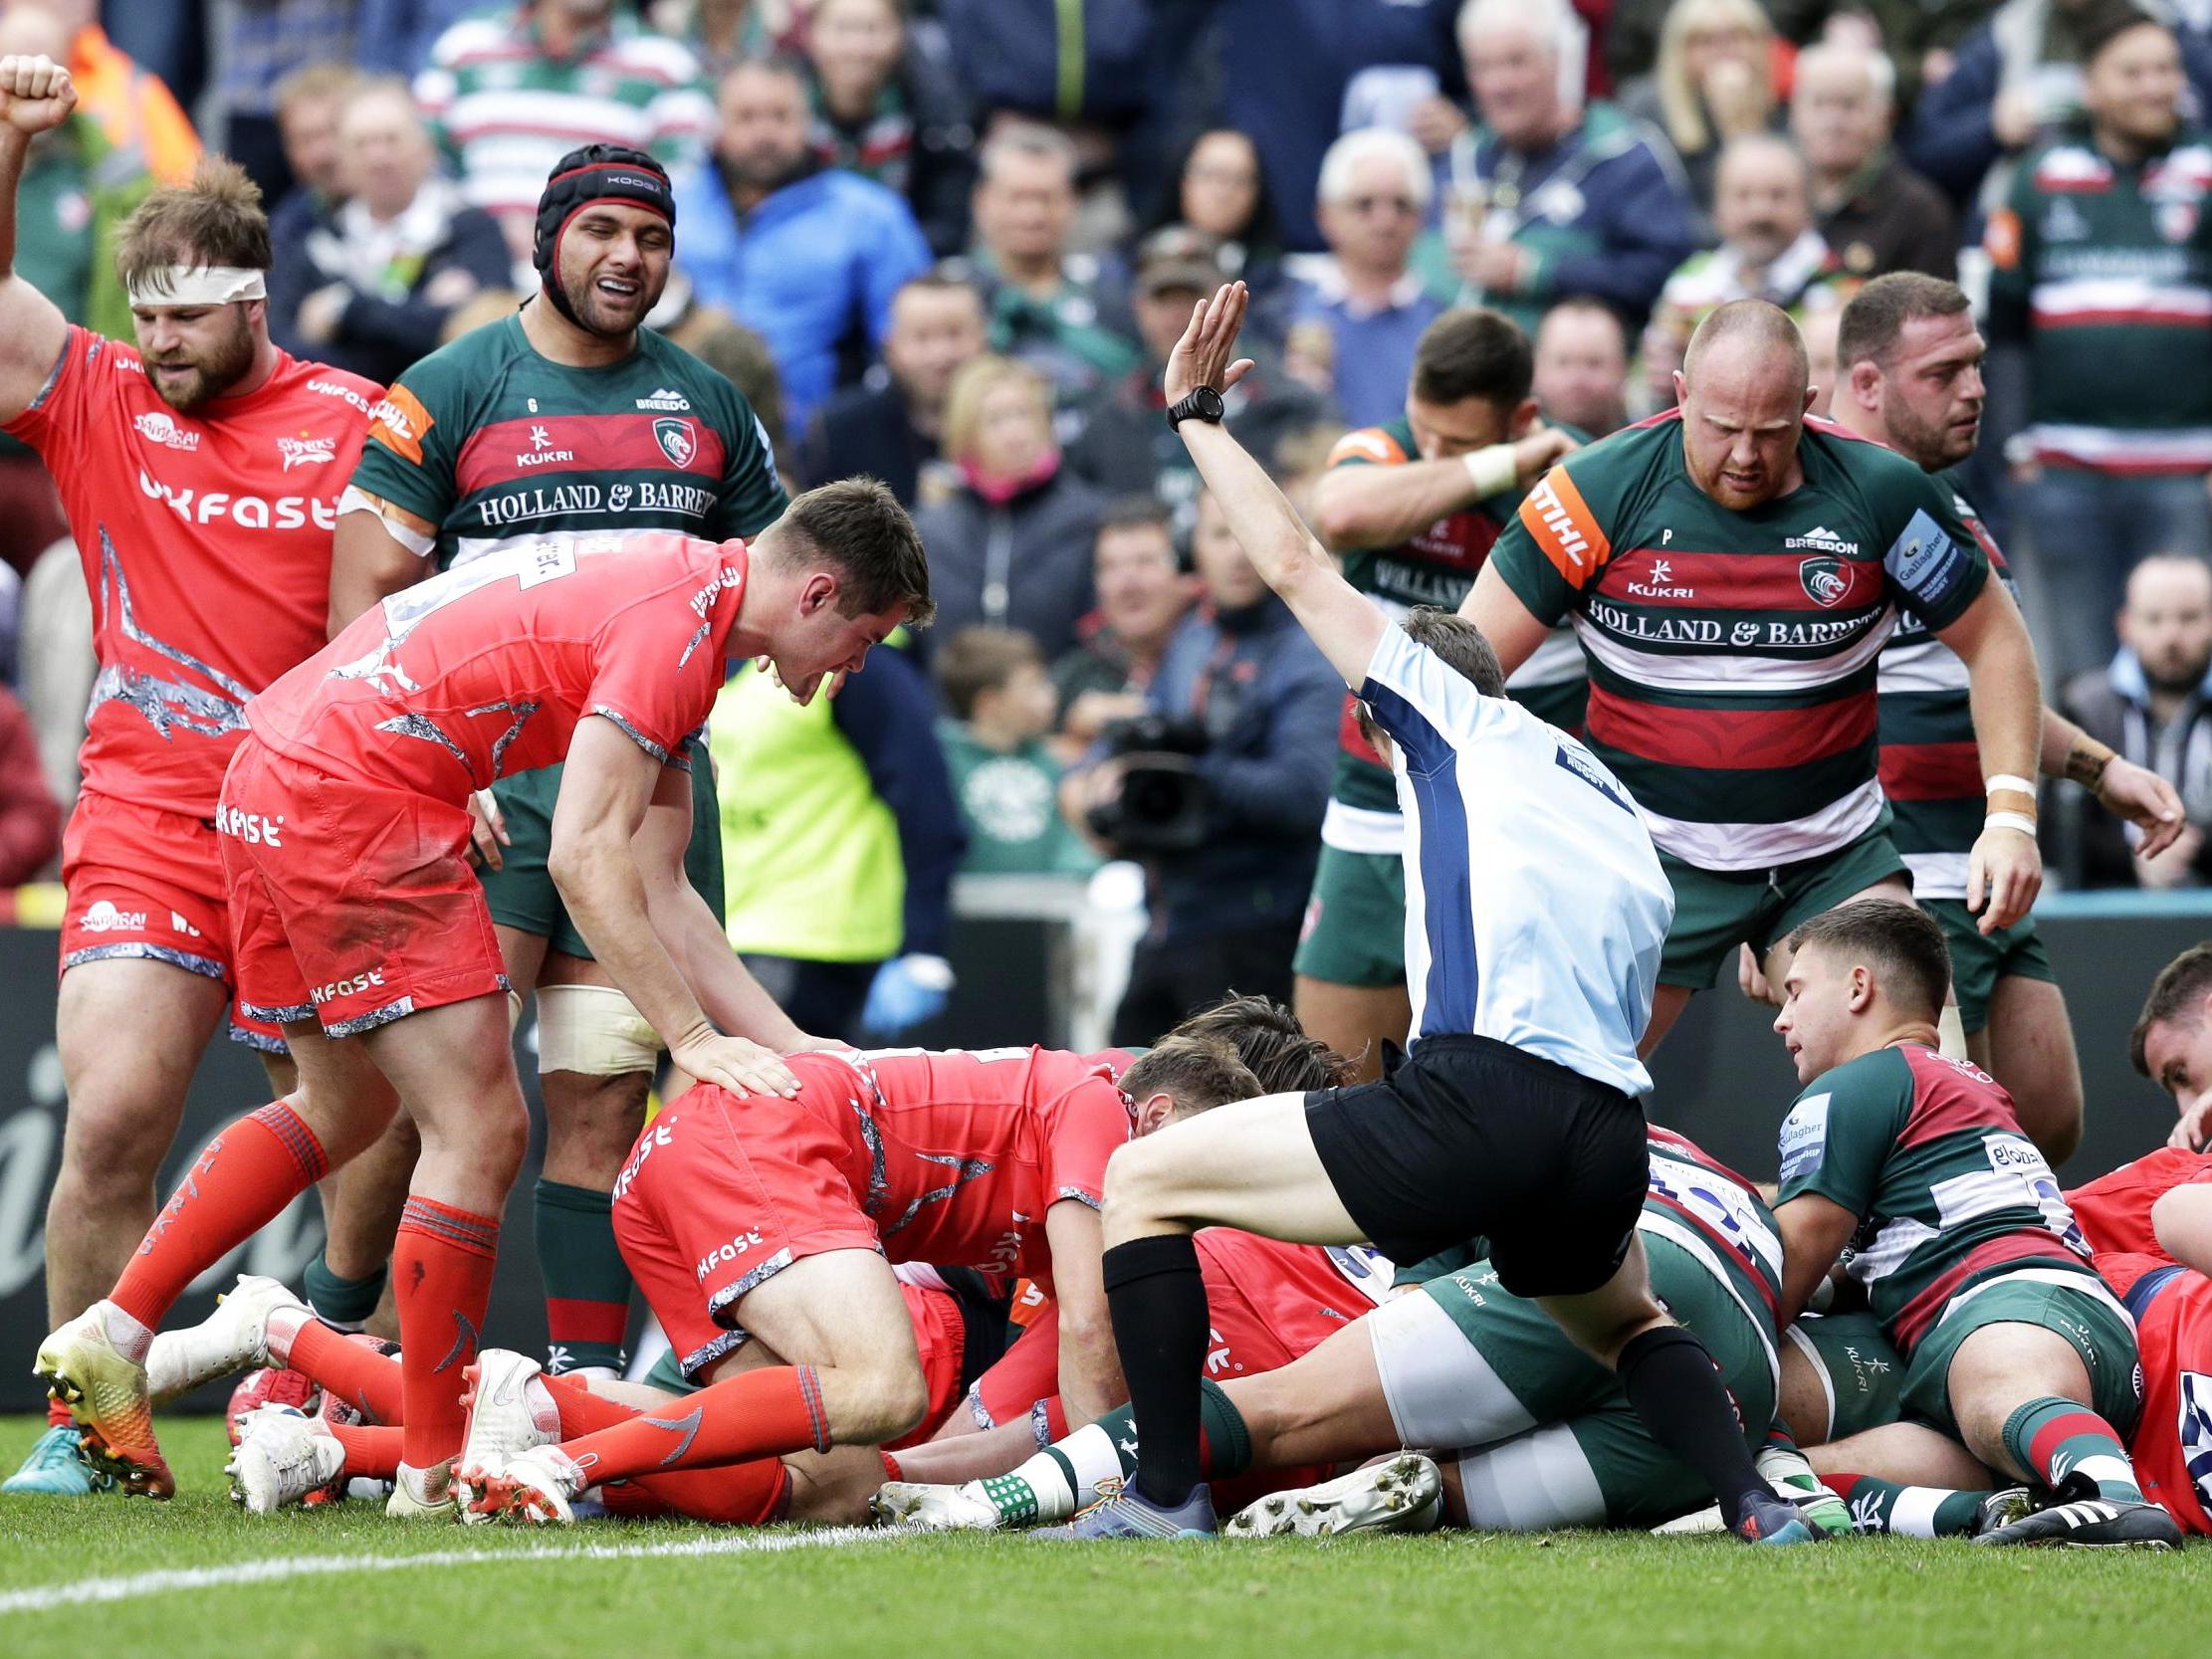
950, 243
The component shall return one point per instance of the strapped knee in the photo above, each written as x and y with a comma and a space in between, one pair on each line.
593, 1030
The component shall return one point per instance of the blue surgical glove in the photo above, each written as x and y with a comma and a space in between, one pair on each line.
907, 992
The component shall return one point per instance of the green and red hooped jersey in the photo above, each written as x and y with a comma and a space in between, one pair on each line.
1931, 765
1927, 1152
497, 446
1436, 567
1732, 654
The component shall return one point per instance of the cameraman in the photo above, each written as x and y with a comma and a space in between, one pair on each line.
1218, 790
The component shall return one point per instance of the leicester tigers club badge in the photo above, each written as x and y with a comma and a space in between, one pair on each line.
676, 440
1825, 582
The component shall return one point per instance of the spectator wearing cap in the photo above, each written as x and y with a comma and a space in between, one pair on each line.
1550, 196
892, 425
1127, 446
1047, 307
370, 282
1873, 210
808, 255
1011, 544
511, 90
1362, 307
885, 103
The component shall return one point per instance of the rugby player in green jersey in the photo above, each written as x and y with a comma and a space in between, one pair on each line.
1911, 379
2017, 1356
1733, 568
567, 417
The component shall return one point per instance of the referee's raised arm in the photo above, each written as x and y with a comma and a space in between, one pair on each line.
1343, 624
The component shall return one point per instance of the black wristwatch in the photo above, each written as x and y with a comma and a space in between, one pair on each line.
1203, 404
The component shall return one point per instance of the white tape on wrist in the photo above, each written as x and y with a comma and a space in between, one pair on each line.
1491, 469
199, 285
2010, 820
2008, 780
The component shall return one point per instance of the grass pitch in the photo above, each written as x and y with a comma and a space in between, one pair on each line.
197, 1576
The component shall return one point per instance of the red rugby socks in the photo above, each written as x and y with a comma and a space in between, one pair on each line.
441, 1269
240, 1183
754, 1414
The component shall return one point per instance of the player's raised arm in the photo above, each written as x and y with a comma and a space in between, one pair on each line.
36, 96
1281, 549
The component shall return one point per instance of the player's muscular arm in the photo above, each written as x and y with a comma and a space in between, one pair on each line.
1814, 1232
1090, 1371
1344, 625
1513, 631
35, 97
689, 930
1380, 507
2182, 1221
605, 792
1990, 638
2123, 789
368, 562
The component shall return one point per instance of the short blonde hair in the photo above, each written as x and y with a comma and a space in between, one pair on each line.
976, 379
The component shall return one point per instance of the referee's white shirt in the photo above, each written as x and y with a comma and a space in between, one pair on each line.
1535, 906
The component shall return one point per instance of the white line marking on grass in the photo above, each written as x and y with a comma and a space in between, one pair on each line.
48, 1596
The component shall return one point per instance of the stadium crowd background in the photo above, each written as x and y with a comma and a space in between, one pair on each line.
948, 242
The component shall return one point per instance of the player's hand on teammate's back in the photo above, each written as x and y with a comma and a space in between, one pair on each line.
486, 830
740, 1066
35, 94
1202, 357
2144, 799
2003, 877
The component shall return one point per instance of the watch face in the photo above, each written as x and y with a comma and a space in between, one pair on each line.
1210, 403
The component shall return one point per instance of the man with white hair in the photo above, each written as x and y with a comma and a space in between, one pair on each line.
1549, 196
1877, 214
375, 272
1374, 193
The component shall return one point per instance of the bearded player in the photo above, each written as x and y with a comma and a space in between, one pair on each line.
345, 827
566, 417
201, 471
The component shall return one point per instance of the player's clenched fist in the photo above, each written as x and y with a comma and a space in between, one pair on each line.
35, 94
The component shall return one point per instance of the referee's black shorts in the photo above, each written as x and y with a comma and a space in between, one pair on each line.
1469, 1137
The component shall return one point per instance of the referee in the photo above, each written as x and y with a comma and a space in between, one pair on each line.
1536, 909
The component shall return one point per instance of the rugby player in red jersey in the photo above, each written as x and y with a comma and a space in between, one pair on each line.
202, 469
758, 1233
344, 823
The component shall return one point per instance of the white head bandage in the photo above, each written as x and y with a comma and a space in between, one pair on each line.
199, 285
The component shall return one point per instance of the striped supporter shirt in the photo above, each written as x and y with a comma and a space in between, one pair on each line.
504, 110
1535, 906
1733, 655
2105, 271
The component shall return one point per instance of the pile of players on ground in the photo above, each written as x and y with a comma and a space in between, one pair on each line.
1329, 1360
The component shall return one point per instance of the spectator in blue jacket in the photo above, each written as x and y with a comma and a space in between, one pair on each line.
2016, 79
808, 256
1550, 197
1243, 686
377, 270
